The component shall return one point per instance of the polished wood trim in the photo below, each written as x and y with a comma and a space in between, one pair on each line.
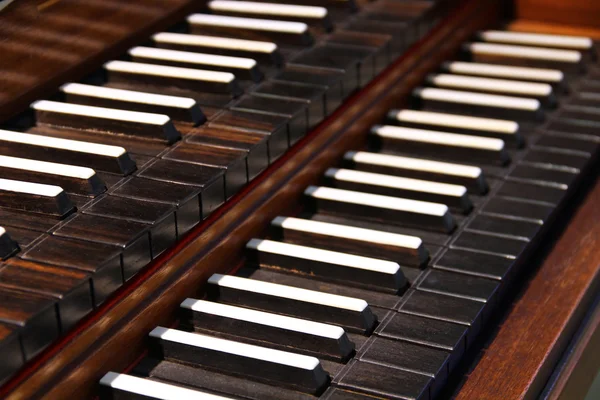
113, 336
567, 12
524, 25
532, 338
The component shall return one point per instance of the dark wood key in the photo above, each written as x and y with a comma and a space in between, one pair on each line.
131, 237
10, 347
436, 144
311, 15
403, 249
167, 76
506, 130
403, 33
263, 52
35, 198
465, 286
71, 178
33, 315
400, 211
178, 108
242, 68
101, 261
254, 144
100, 157
147, 125
8, 246
232, 162
70, 288
380, 43
282, 332
356, 270
343, 4
471, 177
280, 32
133, 387
454, 196
350, 313
301, 372
332, 80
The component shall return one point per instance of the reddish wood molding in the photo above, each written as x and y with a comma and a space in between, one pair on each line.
567, 12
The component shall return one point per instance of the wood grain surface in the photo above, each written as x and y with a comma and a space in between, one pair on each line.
583, 13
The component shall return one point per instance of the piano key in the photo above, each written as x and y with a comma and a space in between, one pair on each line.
232, 162
539, 91
23, 237
24, 220
242, 68
336, 4
339, 394
185, 197
403, 34
70, 288
437, 144
8, 246
330, 79
403, 249
381, 45
521, 209
459, 285
585, 99
79, 180
454, 196
43, 148
553, 77
311, 15
350, 313
486, 105
576, 126
254, 144
167, 76
155, 126
532, 191
568, 61
159, 217
460, 174
558, 177
35, 317
492, 243
503, 227
294, 111
580, 113
568, 141
177, 108
247, 325
489, 266
209, 179
133, 387
496, 128
100, 260
357, 270
131, 237
558, 158
10, 347
404, 356
537, 39
301, 372
280, 32
273, 127
380, 380
35, 198
263, 52
422, 214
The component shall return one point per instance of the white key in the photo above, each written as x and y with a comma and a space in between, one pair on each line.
35, 198
44, 148
129, 385
243, 68
8, 247
388, 185
403, 249
550, 76
308, 14
161, 75
157, 126
486, 104
263, 52
329, 264
296, 370
74, 179
351, 313
537, 39
384, 208
181, 108
304, 335
293, 33
496, 128
467, 175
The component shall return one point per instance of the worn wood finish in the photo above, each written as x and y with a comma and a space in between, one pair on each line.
537, 329
218, 244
